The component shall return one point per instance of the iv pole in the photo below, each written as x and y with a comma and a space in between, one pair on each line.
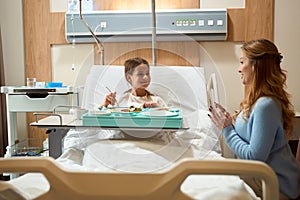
153, 33
98, 42
100, 46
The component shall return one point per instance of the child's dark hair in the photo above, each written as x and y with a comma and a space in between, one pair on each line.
132, 63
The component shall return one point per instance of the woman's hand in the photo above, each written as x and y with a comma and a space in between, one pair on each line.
110, 99
219, 116
149, 105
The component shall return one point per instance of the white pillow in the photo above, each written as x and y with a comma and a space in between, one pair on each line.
179, 86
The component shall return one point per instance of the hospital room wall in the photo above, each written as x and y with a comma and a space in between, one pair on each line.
11, 21
224, 54
286, 36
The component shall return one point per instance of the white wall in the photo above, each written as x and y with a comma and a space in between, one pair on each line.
11, 20
222, 4
12, 40
287, 38
68, 59
287, 32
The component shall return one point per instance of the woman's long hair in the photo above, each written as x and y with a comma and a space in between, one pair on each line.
268, 80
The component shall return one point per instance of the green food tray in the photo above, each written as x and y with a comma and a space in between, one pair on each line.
130, 120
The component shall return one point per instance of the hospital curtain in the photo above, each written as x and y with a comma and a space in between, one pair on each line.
3, 119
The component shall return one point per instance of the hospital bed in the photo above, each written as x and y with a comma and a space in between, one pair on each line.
121, 164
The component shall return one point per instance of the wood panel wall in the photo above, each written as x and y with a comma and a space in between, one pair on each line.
43, 29
144, 4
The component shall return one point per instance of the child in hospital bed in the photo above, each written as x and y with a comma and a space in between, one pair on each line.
95, 147
137, 74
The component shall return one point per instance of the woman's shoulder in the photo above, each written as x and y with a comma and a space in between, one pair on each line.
266, 101
267, 104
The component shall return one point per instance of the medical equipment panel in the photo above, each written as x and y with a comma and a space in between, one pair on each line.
129, 26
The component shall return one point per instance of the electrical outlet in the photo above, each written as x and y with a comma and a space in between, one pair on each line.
103, 24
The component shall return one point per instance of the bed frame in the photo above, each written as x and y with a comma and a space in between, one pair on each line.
116, 186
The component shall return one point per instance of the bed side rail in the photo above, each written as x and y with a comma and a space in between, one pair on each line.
66, 184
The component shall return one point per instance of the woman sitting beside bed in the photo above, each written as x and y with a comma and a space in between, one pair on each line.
137, 73
259, 130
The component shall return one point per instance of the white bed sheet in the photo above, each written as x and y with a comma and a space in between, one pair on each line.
136, 156
98, 153
143, 157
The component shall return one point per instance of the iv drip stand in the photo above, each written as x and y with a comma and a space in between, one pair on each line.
153, 33
98, 42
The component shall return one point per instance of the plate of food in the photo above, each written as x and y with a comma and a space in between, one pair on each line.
99, 112
159, 113
126, 110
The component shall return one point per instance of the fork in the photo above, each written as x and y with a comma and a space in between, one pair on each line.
109, 90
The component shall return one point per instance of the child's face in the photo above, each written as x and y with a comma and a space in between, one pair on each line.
140, 78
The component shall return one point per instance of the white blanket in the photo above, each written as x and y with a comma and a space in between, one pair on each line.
142, 157
113, 151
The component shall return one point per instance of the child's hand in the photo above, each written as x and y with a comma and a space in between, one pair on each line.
149, 105
110, 99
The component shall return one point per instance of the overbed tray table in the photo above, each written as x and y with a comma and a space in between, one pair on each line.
59, 124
